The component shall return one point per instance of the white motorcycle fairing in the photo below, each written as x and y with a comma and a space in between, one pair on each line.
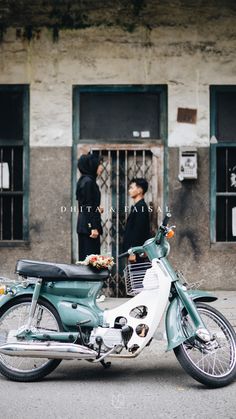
154, 296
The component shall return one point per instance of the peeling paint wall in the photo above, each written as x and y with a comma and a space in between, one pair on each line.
186, 59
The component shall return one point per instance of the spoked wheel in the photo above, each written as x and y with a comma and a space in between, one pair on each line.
213, 363
12, 318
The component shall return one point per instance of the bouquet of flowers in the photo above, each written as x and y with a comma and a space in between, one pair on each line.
98, 261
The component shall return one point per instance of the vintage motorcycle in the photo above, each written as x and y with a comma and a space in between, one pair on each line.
51, 314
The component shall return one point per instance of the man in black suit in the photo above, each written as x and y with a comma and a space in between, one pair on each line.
137, 228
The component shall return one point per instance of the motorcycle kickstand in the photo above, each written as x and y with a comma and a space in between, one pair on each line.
105, 365
99, 341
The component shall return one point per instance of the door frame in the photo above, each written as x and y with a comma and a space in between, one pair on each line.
76, 91
157, 153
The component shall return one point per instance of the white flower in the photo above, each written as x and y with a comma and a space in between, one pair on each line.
99, 261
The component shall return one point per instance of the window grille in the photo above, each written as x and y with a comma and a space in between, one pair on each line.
226, 194
13, 163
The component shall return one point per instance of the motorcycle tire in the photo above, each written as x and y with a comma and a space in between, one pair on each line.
213, 365
11, 315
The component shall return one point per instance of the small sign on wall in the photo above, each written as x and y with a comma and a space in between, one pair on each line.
4, 176
187, 116
145, 134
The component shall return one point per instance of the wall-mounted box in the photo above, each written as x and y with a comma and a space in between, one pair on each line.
187, 163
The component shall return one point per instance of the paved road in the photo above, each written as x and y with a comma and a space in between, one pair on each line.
151, 386
148, 387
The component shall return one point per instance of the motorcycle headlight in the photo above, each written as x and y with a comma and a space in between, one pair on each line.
3, 289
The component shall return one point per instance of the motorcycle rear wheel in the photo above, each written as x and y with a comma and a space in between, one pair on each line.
13, 316
213, 366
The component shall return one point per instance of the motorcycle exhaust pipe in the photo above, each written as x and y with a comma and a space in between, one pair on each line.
50, 350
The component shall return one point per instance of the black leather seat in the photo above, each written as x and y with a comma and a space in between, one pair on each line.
59, 271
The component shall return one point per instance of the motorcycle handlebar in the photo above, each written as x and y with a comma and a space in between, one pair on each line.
166, 219
122, 255
132, 250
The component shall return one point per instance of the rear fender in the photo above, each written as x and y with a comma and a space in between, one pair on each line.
175, 335
18, 292
85, 310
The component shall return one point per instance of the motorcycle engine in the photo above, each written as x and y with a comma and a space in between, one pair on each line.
110, 337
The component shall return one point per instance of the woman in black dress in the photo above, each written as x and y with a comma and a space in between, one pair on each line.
89, 226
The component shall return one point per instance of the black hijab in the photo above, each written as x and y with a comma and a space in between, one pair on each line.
88, 164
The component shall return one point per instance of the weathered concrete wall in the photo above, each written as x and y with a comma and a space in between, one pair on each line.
192, 253
187, 57
186, 48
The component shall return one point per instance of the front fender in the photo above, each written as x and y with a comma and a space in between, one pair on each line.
175, 335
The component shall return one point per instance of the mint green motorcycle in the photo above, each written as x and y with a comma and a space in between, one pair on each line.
51, 314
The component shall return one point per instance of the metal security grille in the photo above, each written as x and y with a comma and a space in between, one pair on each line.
226, 194
11, 193
14, 111
121, 164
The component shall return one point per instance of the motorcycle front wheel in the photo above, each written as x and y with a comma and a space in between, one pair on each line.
12, 317
212, 364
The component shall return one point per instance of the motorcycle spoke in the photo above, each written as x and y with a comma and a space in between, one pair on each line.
15, 318
214, 362
217, 361
39, 316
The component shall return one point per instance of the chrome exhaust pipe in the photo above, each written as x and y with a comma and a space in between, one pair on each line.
50, 350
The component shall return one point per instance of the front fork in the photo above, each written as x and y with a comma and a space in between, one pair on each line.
189, 305
200, 330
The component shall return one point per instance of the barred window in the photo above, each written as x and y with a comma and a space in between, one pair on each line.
13, 162
226, 194
223, 197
